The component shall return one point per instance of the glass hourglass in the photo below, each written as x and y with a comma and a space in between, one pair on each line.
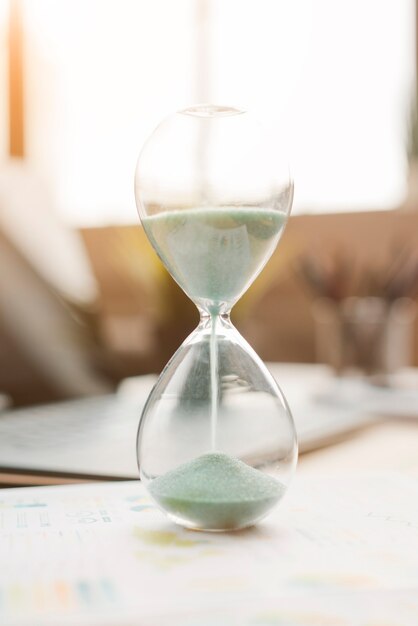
216, 441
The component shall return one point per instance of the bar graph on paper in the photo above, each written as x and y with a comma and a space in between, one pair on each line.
57, 548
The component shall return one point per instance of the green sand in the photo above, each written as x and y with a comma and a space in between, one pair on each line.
215, 253
216, 492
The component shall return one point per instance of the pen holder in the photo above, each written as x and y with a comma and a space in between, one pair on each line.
369, 335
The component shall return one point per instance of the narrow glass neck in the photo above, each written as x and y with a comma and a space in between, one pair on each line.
207, 320
213, 309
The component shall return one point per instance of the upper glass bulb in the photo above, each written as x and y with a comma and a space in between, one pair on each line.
228, 192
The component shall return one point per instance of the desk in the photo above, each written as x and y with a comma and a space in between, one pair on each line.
340, 550
384, 446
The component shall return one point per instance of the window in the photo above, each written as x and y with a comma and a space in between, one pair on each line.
333, 79
3, 78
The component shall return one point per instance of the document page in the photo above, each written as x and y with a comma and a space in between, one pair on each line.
340, 551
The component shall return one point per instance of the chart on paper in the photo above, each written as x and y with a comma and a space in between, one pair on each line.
103, 554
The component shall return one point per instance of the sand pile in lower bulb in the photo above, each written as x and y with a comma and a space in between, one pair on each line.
216, 492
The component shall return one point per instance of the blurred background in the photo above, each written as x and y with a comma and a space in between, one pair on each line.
84, 302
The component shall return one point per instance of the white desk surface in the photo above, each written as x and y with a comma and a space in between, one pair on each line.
340, 550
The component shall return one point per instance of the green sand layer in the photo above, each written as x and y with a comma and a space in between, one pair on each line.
215, 253
216, 492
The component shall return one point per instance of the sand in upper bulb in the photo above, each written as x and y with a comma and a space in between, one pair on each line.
215, 253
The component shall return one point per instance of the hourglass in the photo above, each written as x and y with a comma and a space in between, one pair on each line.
216, 442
